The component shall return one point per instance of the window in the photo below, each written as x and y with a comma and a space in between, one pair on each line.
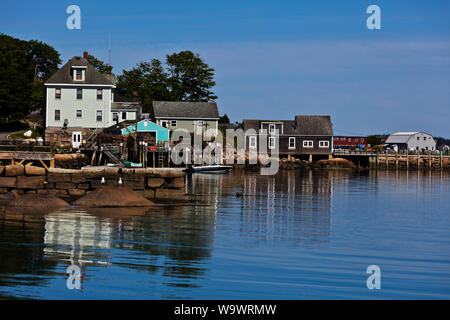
291, 142
99, 94
79, 93
173, 123
115, 116
124, 115
199, 123
271, 128
79, 74
424, 138
164, 123
58, 93
308, 144
79, 113
271, 142
99, 115
57, 115
418, 138
252, 141
324, 144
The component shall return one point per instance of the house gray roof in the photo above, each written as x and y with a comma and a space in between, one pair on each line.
314, 125
302, 125
122, 99
185, 109
93, 76
124, 106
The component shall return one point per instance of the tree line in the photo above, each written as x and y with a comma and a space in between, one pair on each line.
26, 65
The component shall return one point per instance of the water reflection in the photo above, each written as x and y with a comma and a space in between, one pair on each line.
282, 234
170, 241
290, 205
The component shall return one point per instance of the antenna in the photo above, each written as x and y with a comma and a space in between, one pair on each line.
109, 48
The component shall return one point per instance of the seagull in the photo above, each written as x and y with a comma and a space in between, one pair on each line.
103, 180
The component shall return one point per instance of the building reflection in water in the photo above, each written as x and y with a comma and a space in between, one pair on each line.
169, 242
292, 204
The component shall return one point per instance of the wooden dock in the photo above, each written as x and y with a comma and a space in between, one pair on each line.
407, 161
20, 157
394, 160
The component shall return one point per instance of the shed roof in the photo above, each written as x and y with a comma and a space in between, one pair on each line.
185, 109
400, 137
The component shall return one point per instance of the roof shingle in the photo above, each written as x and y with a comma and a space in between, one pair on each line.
93, 76
185, 109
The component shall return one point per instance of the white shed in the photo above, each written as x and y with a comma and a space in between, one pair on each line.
411, 141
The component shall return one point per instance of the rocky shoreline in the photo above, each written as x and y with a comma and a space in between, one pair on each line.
152, 183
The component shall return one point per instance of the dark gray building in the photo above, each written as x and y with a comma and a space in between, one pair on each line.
307, 136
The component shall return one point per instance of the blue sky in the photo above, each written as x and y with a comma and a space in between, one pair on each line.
276, 59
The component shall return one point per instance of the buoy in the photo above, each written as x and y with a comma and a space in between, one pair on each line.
103, 180
120, 181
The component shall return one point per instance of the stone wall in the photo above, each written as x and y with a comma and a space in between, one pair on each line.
153, 183
60, 136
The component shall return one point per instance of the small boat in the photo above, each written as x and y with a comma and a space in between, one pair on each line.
129, 164
213, 168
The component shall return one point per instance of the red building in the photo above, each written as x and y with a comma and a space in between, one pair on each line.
347, 142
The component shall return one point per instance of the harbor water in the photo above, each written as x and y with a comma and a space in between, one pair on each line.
296, 235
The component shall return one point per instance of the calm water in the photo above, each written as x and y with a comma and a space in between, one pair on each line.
296, 235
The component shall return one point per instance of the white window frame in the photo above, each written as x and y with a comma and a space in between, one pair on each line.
101, 116
252, 142
54, 115
272, 125
172, 123
199, 123
270, 144
123, 115
101, 94
56, 93
76, 114
308, 144
116, 116
289, 145
162, 122
324, 144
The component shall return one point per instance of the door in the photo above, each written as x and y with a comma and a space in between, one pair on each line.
76, 139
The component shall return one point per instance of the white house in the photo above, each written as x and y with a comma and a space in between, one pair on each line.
411, 141
79, 100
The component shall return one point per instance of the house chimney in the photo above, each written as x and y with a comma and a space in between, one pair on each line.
85, 55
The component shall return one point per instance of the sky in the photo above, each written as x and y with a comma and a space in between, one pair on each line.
275, 59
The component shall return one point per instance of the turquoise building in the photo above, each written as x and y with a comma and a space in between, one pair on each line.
162, 134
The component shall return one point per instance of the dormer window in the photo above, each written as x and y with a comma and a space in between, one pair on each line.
79, 73
271, 128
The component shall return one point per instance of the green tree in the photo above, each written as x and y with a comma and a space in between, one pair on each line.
25, 67
224, 119
148, 80
184, 77
191, 79
99, 64
373, 140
